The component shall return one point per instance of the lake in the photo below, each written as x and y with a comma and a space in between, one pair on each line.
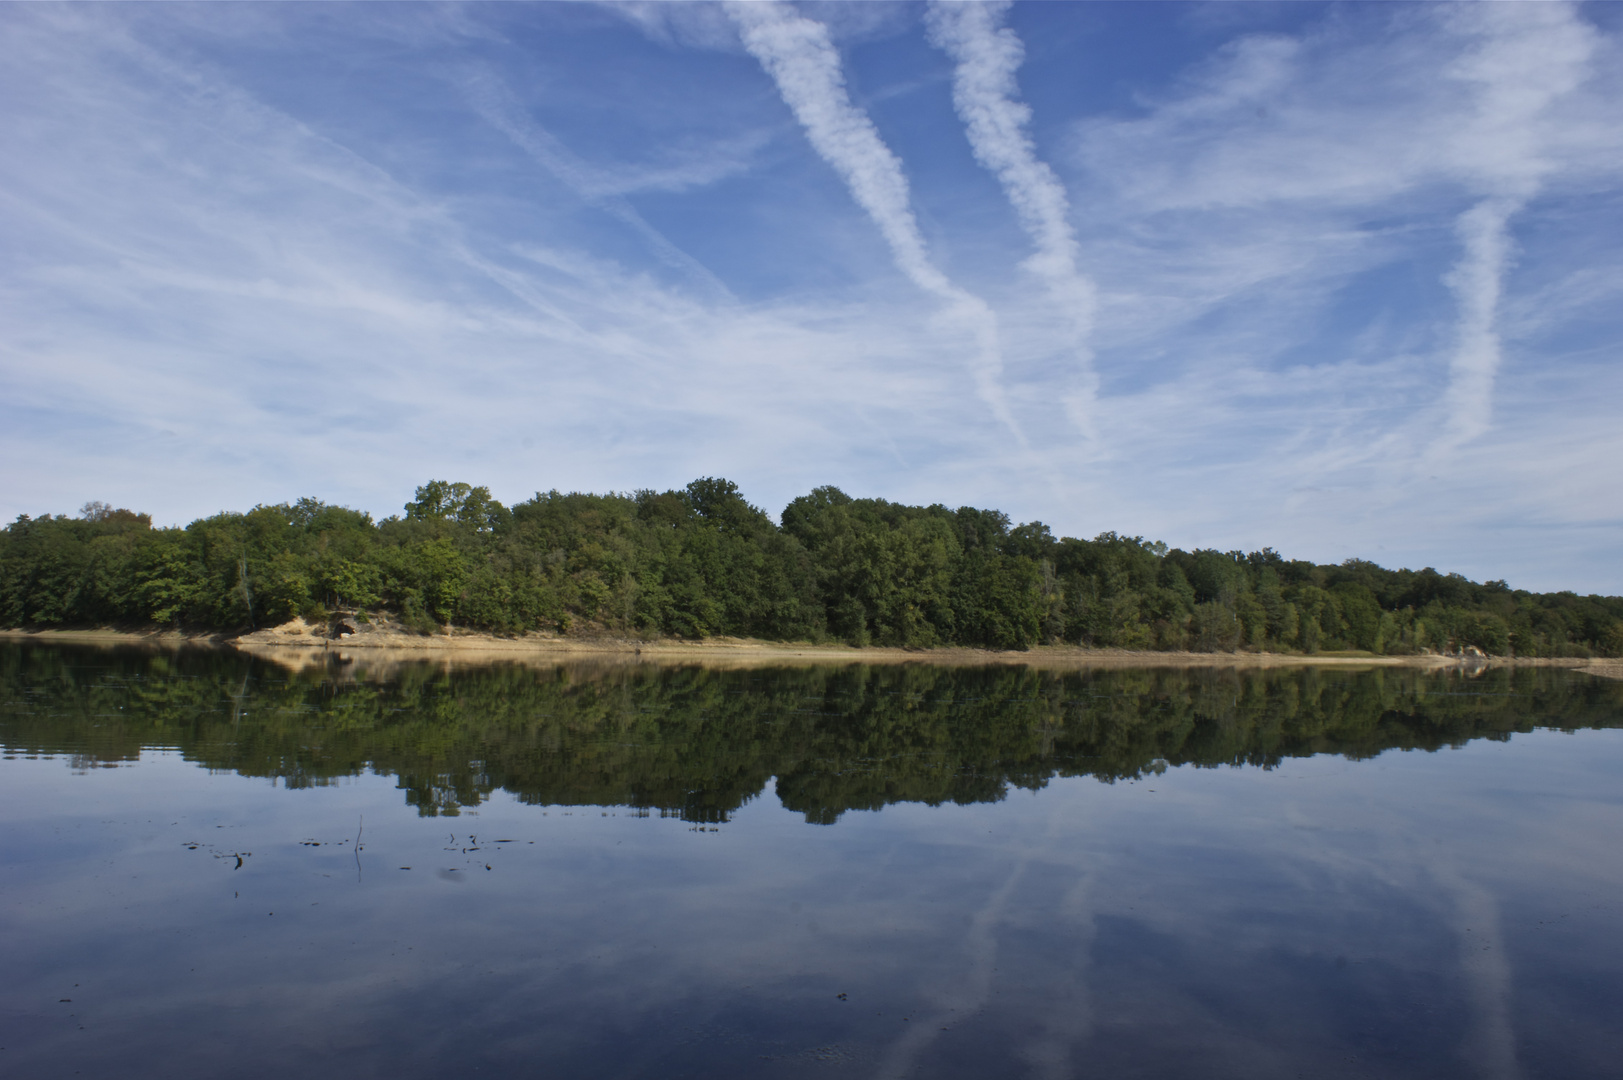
214, 865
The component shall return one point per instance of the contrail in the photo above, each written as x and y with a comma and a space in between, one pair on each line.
1477, 281
801, 59
1527, 57
986, 56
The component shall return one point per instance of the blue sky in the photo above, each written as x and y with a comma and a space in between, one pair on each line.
1344, 280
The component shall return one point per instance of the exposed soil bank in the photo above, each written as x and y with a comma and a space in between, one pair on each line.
297, 644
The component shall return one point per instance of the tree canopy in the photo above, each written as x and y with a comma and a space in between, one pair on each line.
701, 561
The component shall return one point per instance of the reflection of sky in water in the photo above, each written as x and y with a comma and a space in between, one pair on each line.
1447, 914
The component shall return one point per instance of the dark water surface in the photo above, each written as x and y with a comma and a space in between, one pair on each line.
802, 872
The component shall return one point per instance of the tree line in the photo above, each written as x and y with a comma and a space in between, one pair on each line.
699, 743
701, 561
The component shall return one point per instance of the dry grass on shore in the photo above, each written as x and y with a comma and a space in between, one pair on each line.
297, 644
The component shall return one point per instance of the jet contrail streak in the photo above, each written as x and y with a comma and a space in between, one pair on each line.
1478, 281
1523, 59
800, 57
987, 100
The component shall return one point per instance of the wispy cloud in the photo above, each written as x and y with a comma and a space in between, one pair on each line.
1240, 219
1355, 288
492, 101
345, 334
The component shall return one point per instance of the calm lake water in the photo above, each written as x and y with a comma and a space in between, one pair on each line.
211, 866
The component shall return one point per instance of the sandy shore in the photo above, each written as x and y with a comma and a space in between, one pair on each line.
297, 645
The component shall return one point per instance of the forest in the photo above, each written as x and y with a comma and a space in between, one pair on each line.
702, 562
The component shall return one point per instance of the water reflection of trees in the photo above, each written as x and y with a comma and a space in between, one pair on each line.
699, 743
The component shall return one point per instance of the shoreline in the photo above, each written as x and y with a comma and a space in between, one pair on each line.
296, 645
